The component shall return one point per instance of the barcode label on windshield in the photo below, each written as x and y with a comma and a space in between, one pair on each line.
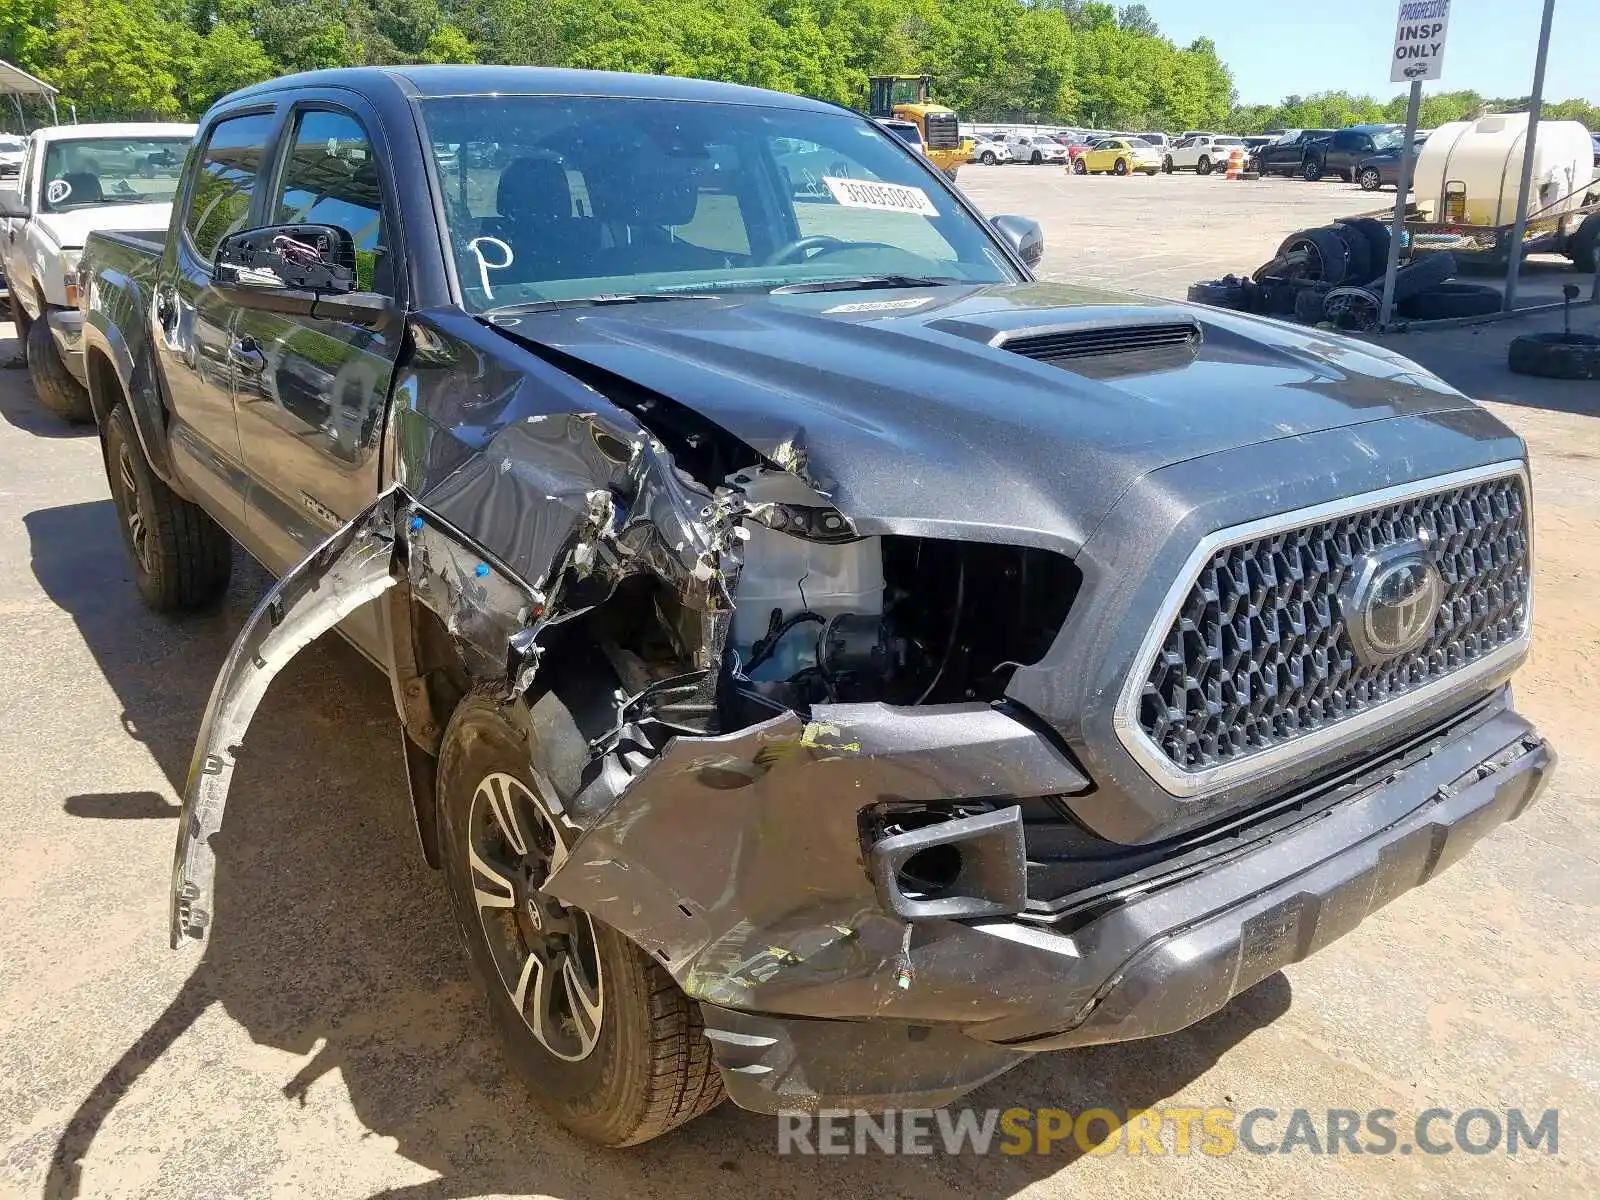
884, 197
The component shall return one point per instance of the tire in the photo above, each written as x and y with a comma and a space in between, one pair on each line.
1219, 293
1448, 301
19, 316
1584, 244
181, 558
1371, 179
987, 158
1423, 273
57, 390
1079, 167
1376, 234
1360, 268
1166, 164
1331, 253
647, 1067
1311, 170
1120, 167
1203, 167
1036, 159
1555, 355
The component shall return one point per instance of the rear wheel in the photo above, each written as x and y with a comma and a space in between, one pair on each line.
598, 1031
181, 557
1166, 163
1583, 251
52, 382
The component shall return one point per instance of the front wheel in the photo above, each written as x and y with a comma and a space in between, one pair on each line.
598, 1031
1036, 159
52, 382
1079, 167
181, 557
1311, 170
987, 158
1371, 180
1120, 167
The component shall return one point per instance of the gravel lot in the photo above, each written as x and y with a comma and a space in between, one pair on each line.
328, 1043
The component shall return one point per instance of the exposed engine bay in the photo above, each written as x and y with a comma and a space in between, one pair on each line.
902, 620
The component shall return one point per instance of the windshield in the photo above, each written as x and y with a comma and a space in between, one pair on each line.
1392, 140
83, 173
589, 196
909, 134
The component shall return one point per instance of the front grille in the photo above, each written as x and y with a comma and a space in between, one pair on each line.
1258, 654
1106, 339
943, 131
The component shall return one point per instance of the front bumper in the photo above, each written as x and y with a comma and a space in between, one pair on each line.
991, 992
66, 327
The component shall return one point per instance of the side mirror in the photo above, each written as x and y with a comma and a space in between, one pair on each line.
11, 202
298, 270
1023, 235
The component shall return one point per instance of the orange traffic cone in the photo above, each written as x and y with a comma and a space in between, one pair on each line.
1236, 162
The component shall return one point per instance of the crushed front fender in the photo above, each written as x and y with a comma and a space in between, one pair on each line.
356, 565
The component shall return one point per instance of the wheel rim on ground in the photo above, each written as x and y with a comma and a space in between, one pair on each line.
1121, 168
1079, 167
1371, 181
544, 952
132, 508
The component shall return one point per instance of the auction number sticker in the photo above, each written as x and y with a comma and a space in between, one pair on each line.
881, 197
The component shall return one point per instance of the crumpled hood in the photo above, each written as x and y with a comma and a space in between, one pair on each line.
899, 408
71, 229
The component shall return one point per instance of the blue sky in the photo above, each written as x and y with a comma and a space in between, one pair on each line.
1279, 47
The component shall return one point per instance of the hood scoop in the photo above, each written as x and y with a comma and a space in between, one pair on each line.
1065, 344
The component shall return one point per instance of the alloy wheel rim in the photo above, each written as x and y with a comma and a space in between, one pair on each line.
133, 509
544, 952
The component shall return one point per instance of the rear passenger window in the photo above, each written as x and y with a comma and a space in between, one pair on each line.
330, 177
225, 180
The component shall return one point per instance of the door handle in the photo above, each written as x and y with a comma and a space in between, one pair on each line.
245, 353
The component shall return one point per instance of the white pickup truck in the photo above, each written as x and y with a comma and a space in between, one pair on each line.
1200, 153
77, 178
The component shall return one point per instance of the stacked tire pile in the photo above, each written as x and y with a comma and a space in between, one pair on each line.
1334, 274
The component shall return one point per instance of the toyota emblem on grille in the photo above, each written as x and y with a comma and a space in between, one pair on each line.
1391, 602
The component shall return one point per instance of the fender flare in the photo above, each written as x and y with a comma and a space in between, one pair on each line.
137, 389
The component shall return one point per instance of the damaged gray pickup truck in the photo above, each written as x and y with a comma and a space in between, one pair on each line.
831, 666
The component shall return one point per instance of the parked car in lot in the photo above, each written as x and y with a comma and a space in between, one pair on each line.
1118, 156
1286, 155
1200, 153
1159, 140
1035, 148
12, 149
1341, 153
787, 718
1382, 169
990, 151
74, 179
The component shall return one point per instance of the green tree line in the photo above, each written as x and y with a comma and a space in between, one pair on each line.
1333, 110
1062, 61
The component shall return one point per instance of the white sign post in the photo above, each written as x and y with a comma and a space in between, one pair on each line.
1419, 32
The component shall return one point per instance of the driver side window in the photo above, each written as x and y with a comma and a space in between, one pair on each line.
330, 177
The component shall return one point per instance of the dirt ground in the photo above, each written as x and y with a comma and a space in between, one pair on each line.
327, 1041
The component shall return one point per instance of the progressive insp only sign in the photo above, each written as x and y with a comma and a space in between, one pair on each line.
1419, 41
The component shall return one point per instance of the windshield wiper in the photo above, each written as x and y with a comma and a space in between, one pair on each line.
864, 283
604, 298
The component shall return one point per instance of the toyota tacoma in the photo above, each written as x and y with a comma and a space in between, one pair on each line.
831, 666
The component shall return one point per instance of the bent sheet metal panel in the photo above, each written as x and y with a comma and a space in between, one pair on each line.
356, 565
738, 861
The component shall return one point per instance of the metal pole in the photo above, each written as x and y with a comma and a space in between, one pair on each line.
1535, 106
1397, 227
